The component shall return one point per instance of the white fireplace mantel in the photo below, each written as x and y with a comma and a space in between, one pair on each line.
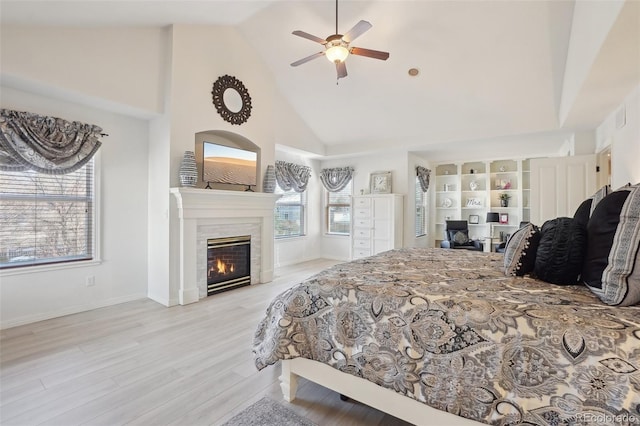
209, 206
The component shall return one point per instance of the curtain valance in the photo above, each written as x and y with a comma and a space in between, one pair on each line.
48, 145
424, 176
292, 176
336, 179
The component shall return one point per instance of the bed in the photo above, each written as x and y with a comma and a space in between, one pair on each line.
444, 333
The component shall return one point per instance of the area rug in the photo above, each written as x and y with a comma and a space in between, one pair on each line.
267, 412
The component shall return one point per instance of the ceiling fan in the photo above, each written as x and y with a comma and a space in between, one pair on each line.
337, 46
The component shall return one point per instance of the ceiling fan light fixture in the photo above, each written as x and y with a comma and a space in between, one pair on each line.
337, 53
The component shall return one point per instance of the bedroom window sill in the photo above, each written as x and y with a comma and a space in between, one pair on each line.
36, 269
292, 238
338, 236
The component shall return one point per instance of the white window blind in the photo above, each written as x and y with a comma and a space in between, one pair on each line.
46, 218
338, 211
290, 213
421, 210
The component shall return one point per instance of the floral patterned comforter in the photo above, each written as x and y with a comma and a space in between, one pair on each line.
448, 328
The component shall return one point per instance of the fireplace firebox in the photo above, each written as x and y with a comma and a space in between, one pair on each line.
228, 263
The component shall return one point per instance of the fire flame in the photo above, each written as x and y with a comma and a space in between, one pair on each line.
222, 267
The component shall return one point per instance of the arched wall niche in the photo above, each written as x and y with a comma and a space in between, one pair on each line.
234, 140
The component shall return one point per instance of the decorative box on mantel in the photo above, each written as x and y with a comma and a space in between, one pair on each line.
210, 213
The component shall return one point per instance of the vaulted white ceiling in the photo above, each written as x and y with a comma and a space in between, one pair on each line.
490, 71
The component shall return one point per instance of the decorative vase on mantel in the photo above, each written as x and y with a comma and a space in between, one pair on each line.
188, 170
269, 183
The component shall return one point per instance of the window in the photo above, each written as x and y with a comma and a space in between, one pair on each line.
338, 211
290, 213
46, 218
421, 210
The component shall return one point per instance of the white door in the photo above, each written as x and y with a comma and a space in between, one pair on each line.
559, 185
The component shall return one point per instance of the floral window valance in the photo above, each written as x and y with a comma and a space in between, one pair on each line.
292, 176
47, 145
336, 179
424, 175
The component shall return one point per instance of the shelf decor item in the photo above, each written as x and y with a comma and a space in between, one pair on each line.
473, 185
380, 183
504, 219
188, 171
503, 184
504, 199
474, 219
269, 183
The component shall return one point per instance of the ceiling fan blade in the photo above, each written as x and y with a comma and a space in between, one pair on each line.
309, 37
375, 54
307, 59
341, 68
355, 32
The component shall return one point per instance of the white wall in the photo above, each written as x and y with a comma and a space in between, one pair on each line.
117, 66
592, 21
621, 130
122, 197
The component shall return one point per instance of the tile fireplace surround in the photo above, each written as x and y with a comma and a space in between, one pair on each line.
210, 213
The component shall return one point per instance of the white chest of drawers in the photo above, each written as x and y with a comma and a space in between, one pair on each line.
376, 225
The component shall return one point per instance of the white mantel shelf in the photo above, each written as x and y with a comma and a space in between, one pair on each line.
204, 206
196, 202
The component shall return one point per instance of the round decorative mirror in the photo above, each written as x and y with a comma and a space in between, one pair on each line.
231, 99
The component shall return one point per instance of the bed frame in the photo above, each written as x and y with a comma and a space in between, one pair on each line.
366, 392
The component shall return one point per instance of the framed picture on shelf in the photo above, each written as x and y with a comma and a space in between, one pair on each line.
474, 219
504, 218
380, 183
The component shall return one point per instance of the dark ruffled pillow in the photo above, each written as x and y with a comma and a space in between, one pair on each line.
561, 251
612, 262
520, 251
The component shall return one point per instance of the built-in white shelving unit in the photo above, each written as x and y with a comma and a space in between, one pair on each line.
469, 190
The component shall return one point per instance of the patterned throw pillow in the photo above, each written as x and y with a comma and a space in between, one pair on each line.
459, 238
612, 265
520, 251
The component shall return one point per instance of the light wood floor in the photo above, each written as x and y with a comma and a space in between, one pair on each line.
141, 363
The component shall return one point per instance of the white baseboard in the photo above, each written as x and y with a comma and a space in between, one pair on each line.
163, 300
29, 319
341, 259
